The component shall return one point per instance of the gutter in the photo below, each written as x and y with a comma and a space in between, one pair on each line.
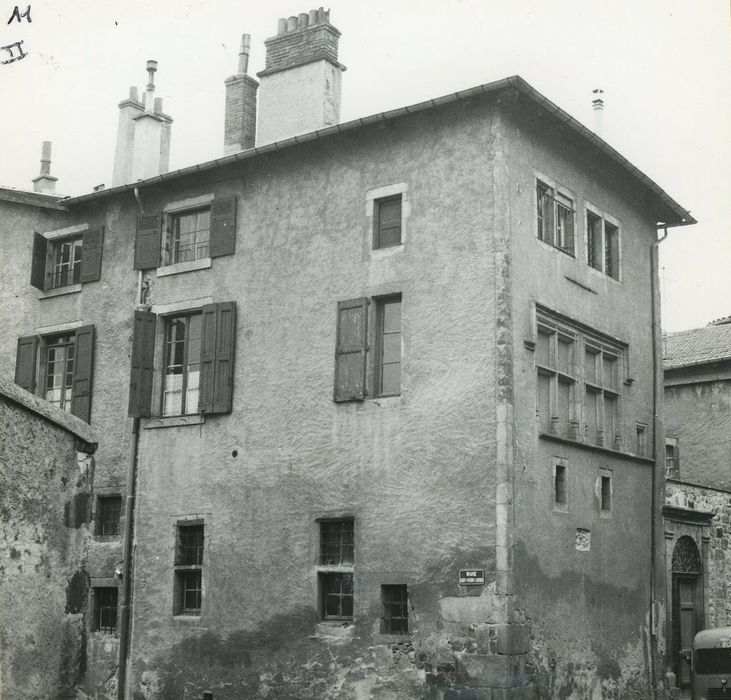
515, 82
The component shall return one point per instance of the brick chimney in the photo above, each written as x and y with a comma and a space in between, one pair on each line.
143, 135
45, 182
240, 121
301, 80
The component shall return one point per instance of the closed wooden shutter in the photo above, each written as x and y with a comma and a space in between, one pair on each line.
148, 241
217, 357
143, 355
91, 255
350, 350
223, 226
83, 369
38, 263
25, 362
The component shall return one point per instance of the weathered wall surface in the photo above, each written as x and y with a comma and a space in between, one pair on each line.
698, 413
717, 565
581, 580
415, 471
44, 531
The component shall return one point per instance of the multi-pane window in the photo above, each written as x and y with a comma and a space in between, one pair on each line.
555, 349
395, 609
387, 222
555, 217
109, 509
59, 375
105, 609
189, 569
672, 458
182, 365
579, 375
388, 346
65, 267
336, 554
187, 236
602, 245
336, 542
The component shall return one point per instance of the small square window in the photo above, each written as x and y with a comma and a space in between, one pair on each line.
109, 509
395, 609
105, 609
387, 222
187, 236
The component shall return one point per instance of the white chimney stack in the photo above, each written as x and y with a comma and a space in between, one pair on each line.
597, 104
45, 182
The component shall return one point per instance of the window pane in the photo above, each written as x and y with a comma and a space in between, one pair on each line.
564, 406
392, 348
591, 416
389, 347
611, 250
564, 355
559, 485
392, 316
590, 359
543, 349
391, 379
609, 371
594, 241
606, 493
544, 402
610, 418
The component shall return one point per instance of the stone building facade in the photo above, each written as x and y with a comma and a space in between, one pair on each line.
377, 399
697, 508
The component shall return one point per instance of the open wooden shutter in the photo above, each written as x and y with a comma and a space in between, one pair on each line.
143, 355
223, 226
217, 357
148, 241
83, 368
91, 255
25, 362
350, 350
38, 263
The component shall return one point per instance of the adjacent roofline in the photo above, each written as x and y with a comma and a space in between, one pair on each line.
34, 199
516, 82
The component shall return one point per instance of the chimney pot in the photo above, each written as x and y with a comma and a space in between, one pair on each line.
244, 54
282, 26
302, 20
292, 24
158, 105
313, 17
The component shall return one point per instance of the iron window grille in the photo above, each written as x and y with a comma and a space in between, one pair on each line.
395, 609
105, 609
337, 595
182, 364
555, 218
189, 569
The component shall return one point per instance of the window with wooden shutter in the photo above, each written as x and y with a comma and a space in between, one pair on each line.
82, 376
350, 350
91, 258
217, 357
223, 226
143, 354
25, 362
38, 264
148, 240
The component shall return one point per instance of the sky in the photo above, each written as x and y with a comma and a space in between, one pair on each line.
664, 66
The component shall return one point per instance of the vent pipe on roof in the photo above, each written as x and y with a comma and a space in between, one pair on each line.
598, 106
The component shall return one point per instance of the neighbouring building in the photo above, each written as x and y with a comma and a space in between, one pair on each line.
697, 508
378, 397
47, 473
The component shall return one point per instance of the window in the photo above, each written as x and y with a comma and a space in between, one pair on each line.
387, 222
189, 569
395, 609
579, 373
197, 351
60, 262
672, 458
602, 245
190, 234
555, 218
336, 554
388, 346
105, 609
187, 236
109, 509
560, 491
58, 367
355, 367
640, 440
605, 493
182, 365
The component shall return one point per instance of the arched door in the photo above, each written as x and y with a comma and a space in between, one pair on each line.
687, 603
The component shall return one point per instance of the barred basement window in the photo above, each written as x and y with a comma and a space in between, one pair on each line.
109, 509
189, 569
105, 609
395, 609
555, 217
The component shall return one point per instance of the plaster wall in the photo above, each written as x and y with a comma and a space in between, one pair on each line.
698, 413
587, 603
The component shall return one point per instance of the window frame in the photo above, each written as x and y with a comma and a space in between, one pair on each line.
186, 571
98, 609
561, 200
387, 607
338, 571
51, 344
605, 493
380, 304
170, 254
102, 502
167, 322
54, 248
602, 249
380, 231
